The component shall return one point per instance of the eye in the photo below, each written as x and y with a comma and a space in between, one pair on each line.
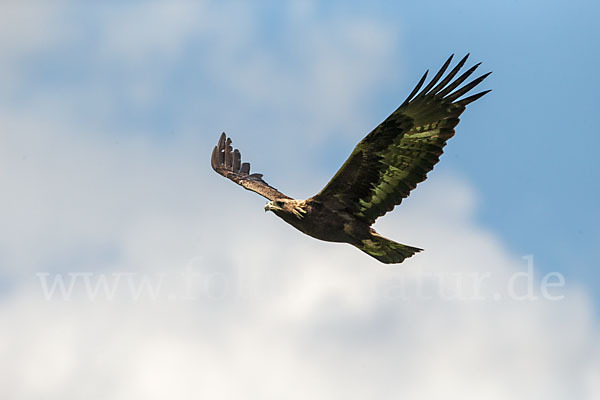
279, 203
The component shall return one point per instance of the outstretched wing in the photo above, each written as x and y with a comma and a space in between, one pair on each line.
228, 162
391, 160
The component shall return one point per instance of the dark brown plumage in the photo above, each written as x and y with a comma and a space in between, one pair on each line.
381, 171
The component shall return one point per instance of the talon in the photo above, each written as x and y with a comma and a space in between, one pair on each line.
298, 212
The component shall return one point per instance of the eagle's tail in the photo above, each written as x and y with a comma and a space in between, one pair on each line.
385, 250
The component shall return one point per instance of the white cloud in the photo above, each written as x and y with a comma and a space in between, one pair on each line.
26, 27
276, 314
23, 25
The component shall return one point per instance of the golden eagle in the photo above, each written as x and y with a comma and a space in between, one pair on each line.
381, 171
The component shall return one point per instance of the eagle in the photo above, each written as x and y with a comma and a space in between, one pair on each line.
380, 172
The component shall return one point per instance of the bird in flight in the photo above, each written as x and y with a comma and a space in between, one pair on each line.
381, 171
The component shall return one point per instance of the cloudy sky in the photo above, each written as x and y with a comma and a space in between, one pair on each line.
129, 269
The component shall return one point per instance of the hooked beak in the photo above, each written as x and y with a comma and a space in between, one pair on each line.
270, 207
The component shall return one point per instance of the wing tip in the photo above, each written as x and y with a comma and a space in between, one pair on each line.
416, 89
470, 99
221, 142
465, 89
225, 158
214, 158
446, 86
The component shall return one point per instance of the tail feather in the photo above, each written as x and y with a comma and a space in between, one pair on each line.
385, 250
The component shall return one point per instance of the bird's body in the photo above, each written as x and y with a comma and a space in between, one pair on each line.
331, 225
381, 171
323, 223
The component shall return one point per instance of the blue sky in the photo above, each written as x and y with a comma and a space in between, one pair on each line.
109, 113
528, 148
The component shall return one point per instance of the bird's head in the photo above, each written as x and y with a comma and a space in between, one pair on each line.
286, 206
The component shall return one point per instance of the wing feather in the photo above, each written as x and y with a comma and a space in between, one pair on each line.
228, 162
437, 76
391, 160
